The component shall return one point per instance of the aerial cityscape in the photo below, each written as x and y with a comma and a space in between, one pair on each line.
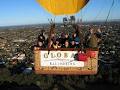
16, 56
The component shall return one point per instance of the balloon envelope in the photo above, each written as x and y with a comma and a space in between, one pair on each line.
63, 7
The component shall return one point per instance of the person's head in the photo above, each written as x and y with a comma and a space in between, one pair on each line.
62, 34
74, 35
57, 41
66, 43
51, 42
73, 43
91, 30
66, 35
40, 44
41, 37
52, 35
99, 30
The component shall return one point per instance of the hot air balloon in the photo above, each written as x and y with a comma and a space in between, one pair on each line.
63, 61
63, 7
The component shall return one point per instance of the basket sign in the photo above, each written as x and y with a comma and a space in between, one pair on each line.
66, 61
60, 59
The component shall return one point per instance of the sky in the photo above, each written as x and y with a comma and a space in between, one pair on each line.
21, 12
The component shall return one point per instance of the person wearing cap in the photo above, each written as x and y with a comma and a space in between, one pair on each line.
93, 38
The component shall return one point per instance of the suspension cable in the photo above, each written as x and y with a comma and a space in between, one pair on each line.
113, 2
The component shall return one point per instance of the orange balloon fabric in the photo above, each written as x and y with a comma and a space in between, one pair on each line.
63, 7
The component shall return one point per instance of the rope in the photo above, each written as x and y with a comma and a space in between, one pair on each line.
109, 11
98, 14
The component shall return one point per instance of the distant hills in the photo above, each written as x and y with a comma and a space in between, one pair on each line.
36, 25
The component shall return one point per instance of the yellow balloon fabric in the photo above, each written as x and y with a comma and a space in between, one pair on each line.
63, 7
